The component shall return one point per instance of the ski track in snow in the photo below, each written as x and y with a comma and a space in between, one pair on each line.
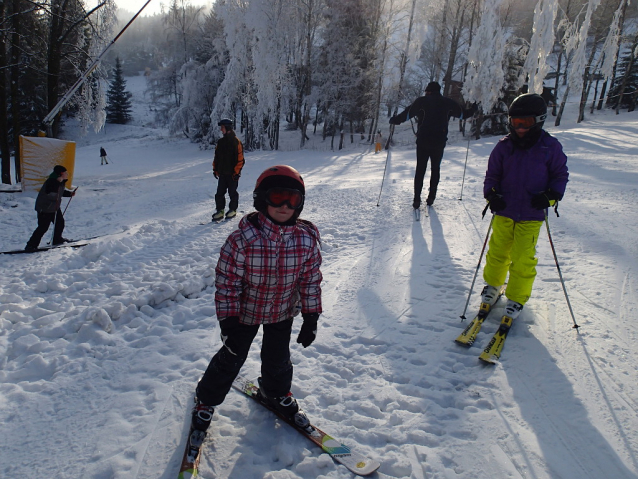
101, 347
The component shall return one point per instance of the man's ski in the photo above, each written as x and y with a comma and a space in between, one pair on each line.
192, 453
341, 453
492, 353
417, 214
469, 334
74, 244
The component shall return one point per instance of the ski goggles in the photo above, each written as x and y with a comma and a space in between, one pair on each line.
284, 196
525, 122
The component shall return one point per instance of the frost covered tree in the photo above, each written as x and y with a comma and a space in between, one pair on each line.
485, 77
541, 45
345, 83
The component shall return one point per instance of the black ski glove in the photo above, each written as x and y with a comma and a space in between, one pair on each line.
545, 199
236, 177
308, 331
395, 120
496, 201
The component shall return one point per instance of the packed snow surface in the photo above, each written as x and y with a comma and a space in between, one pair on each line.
101, 347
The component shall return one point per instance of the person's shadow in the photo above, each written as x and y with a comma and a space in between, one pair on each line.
569, 441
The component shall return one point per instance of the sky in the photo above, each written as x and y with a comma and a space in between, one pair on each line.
154, 7
101, 346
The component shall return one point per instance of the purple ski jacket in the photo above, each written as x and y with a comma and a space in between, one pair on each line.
519, 174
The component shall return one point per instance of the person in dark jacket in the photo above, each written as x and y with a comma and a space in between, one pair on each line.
47, 204
267, 273
432, 112
227, 165
103, 156
526, 174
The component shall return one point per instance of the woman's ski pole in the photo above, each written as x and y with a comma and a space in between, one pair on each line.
478, 266
560, 275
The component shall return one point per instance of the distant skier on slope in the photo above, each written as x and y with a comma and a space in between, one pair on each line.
47, 204
268, 271
526, 174
103, 157
432, 112
227, 165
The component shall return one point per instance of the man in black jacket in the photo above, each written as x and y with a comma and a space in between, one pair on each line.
227, 165
432, 112
47, 204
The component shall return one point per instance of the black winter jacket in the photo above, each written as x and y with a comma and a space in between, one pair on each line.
50, 196
432, 112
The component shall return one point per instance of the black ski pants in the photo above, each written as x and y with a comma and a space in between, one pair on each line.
423, 153
276, 367
226, 183
44, 220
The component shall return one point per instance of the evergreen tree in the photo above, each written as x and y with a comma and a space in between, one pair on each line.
627, 82
118, 107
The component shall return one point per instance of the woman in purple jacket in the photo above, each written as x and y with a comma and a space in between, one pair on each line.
526, 174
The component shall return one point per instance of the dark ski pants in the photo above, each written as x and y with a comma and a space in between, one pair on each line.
276, 367
226, 183
423, 153
44, 220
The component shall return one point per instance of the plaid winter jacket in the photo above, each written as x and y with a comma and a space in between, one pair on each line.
267, 273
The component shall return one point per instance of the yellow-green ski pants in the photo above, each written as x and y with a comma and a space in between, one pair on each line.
512, 248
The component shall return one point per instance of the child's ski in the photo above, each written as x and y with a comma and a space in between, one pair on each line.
341, 453
469, 334
492, 352
190, 461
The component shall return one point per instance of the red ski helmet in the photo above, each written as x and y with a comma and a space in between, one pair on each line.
279, 176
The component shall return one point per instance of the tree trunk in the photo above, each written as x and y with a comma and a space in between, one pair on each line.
5, 149
562, 107
556, 83
454, 44
588, 77
625, 79
403, 63
306, 83
15, 87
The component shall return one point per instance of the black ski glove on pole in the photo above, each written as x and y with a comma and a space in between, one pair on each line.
496, 201
308, 331
395, 120
544, 199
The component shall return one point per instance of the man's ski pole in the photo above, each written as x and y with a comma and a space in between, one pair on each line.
478, 266
467, 152
560, 275
383, 179
67, 205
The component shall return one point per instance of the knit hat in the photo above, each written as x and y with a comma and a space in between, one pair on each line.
433, 87
58, 170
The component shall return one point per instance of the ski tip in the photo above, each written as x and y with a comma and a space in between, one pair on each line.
489, 359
